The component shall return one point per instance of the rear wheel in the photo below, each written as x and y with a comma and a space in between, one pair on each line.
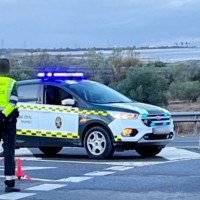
50, 151
149, 151
98, 143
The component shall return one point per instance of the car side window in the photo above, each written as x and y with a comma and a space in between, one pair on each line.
28, 93
55, 95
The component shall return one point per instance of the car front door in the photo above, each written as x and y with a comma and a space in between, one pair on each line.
58, 125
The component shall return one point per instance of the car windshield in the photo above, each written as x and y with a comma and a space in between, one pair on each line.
94, 92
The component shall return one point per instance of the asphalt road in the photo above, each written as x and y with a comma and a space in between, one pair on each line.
173, 174
186, 142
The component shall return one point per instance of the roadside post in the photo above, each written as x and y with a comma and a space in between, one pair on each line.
199, 141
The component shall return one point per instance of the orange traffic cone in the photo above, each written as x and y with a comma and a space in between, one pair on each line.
19, 173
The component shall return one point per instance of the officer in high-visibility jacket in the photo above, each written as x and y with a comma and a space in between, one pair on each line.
8, 119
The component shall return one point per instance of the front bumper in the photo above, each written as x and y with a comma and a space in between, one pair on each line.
145, 136
121, 145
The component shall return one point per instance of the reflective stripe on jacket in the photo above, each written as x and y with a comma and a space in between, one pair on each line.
8, 95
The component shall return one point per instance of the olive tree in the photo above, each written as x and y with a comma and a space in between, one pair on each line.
144, 85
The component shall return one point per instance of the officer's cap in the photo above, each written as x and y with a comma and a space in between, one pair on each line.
4, 66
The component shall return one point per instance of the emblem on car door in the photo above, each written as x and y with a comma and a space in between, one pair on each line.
58, 122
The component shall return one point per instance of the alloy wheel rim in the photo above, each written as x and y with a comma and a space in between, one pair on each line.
96, 143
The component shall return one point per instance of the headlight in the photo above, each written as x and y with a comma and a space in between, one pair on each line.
122, 115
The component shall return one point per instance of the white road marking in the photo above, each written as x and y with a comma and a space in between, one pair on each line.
23, 152
172, 153
40, 179
69, 179
46, 187
15, 195
98, 173
119, 168
26, 168
34, 179
29, 158
74, 179
36, 168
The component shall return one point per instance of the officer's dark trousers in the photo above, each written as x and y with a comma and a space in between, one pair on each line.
8, 134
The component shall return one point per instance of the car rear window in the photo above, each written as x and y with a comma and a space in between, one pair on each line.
28, 93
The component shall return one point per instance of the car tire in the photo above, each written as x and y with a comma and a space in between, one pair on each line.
149, 151
98, 143
50, 151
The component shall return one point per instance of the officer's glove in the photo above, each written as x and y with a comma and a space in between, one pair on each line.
16, 113
2, 120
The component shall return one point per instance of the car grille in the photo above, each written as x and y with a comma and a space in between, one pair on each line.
152, 120
151, 136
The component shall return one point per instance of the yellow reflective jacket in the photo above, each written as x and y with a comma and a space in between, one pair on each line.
8, 95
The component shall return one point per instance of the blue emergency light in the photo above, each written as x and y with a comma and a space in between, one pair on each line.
60, 75
166, 114
144, 116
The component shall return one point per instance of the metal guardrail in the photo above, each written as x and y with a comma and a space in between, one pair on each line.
187, 117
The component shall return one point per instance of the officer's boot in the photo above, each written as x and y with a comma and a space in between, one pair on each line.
10, 186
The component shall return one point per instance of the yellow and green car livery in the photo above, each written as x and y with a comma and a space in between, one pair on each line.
57, 113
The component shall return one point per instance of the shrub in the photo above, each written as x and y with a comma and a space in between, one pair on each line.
144, 85
189, 91
22, 74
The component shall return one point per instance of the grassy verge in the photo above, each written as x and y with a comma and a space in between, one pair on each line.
185, 128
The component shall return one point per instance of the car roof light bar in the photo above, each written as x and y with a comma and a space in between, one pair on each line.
49, 74
61, 75
41, 75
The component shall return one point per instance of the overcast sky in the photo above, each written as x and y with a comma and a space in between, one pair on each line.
99, 23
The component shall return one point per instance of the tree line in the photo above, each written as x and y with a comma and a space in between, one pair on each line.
153, 82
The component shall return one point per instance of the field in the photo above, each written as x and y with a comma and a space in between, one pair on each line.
186, 128
184, 107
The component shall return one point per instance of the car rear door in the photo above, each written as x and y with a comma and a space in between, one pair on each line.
27, 122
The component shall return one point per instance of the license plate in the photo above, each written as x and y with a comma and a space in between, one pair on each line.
161, 130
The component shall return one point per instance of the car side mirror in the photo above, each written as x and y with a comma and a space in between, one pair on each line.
68, 102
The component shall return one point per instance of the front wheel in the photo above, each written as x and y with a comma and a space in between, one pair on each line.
149, 151
50, 151
98, 143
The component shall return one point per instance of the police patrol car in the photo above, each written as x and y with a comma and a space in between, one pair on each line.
65, 110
